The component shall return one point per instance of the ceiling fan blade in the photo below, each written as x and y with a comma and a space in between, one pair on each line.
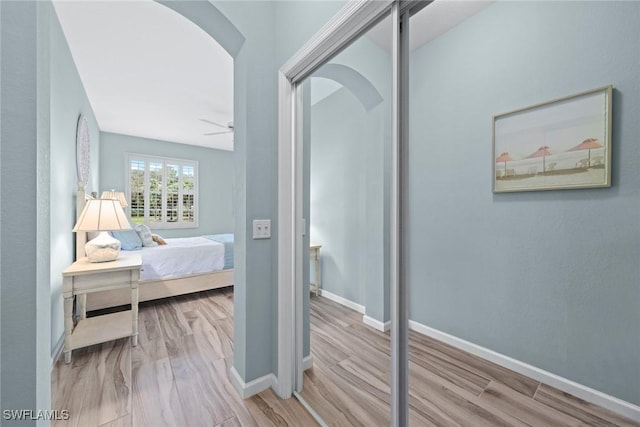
215, 123
218, 133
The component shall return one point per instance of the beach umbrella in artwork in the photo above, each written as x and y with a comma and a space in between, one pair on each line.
504, 158
541, 152
587, 144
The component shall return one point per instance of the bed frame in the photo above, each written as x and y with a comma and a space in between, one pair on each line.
150, 290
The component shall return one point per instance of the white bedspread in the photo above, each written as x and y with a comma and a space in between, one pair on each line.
181, 257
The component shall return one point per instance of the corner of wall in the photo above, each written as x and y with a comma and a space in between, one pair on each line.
252, 387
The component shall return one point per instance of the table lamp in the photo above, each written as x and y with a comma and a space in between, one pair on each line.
102, 215
115, 195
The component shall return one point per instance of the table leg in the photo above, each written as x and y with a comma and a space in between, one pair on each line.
317, 273
134, 314
82, 305
68, 327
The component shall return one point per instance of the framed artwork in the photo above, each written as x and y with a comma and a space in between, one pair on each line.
560, 144
83, 151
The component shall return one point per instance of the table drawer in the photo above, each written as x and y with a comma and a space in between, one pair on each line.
110, 279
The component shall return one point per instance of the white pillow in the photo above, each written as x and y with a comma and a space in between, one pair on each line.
145, 235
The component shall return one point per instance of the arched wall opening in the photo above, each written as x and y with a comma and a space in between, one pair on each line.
211, 20
361, 87
250, 40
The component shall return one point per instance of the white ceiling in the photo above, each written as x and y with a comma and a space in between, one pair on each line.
431, 22
150, 72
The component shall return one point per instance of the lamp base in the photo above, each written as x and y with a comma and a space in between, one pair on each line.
103, 248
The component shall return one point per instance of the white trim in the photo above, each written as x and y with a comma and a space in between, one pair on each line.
345, 27
252, 387
307, 362
367, 320
376, 324
343, 301
57, 351
583, 392
286, 240
298, 354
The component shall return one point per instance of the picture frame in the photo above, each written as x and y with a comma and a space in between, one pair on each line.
560, 144
83, 150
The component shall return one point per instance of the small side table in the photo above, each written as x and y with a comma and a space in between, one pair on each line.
83, 277
314, 256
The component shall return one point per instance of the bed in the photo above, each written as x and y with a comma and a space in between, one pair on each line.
183, 266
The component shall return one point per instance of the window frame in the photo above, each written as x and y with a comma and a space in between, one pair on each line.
164, 224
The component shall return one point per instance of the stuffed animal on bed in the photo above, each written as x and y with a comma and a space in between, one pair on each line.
159, 240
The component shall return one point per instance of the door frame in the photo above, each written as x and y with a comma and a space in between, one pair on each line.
351, 22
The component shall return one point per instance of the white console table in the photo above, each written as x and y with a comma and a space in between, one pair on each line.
83, 277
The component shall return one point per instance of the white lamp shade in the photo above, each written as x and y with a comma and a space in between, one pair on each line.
102, 215
115, 195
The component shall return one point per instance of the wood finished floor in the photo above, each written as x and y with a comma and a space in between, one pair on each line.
349, 382
176, 376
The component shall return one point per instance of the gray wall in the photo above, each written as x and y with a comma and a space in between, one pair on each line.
215, 177
350, 140
24, 313
245, 30
338, 193
68, 100
255, 136
347, 205
297, 21
548, 278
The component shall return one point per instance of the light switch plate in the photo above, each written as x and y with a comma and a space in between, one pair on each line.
261, 228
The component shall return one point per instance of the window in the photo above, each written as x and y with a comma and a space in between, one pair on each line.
163, 192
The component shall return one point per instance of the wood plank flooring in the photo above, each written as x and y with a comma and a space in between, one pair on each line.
176, 376
349, 382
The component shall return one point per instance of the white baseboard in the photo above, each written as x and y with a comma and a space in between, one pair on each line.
307, 362
252, 387
340, 300
367, 320
612, 403
57, 351
376, 324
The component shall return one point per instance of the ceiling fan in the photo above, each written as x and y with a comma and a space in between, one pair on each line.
228, 128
